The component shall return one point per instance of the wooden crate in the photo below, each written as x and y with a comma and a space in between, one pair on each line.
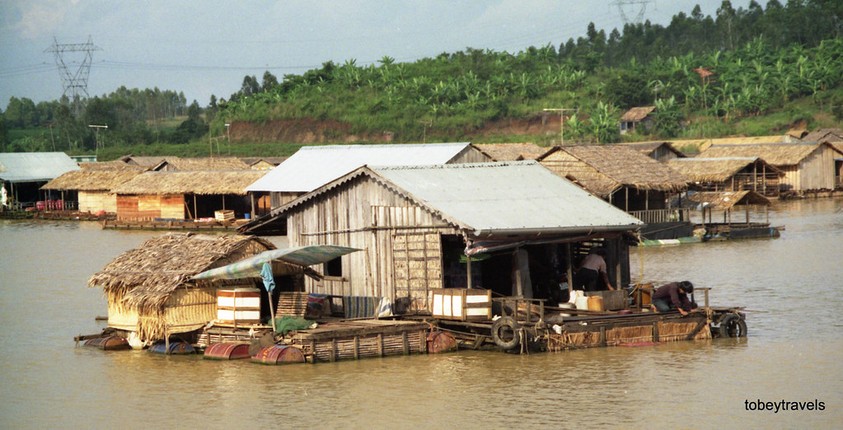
224, 215
239, 306
461, 304
612, 300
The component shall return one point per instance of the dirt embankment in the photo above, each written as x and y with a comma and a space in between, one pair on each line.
312, 131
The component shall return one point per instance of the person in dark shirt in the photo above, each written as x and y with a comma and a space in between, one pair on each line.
674, 296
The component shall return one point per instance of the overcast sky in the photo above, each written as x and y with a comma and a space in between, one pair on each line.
207, 47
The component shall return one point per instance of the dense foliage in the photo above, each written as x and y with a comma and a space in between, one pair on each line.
699, 71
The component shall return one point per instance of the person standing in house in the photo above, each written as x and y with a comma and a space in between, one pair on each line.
592, 271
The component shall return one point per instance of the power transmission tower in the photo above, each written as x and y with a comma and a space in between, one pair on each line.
74, 81
638, 17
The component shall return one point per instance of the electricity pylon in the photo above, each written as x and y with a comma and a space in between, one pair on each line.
74, 81
638, 17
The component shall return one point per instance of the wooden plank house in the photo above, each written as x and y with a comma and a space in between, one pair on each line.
729, 174
183, 195
522, 226
149, 290
807, 167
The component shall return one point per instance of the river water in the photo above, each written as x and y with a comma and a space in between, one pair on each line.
794, 352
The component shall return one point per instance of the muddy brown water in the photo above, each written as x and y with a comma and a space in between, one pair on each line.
794, 352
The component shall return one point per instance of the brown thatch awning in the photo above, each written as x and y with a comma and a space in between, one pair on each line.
716, 169
777, 154
511, 151
148, 275
202, 183
614, 166
91, 180
726, 200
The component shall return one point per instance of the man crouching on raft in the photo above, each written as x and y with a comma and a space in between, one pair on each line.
674, 296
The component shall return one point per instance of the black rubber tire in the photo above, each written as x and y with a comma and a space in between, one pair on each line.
505, 333
732, 325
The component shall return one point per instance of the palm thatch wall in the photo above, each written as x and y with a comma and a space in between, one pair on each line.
149, 290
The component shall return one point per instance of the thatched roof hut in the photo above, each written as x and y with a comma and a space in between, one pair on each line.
511, 151
807, 166
149, 290
635, 116
605, 169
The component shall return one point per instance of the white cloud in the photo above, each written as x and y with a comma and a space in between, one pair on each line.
40, 19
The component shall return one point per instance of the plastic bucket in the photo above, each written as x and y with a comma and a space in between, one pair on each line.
582, 302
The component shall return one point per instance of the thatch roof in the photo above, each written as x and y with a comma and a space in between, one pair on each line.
111, 165
145, 277
824, 135
700, 169
91, 180
778, 154
726, 200
206, 163
251, 161
142, 161
648, 148
703, 144
511, 151
202, 183
637, 114
602, 169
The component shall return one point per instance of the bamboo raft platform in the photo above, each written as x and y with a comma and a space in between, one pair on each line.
362, 338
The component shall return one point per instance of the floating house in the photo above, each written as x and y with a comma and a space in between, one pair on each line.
313, 166
729, 174
149, 289
22, 174
807, 167
90, 189
416, 225
754, 223
180, 195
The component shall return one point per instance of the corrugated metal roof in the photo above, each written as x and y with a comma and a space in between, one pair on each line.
34, 166
313, 166
506, 197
